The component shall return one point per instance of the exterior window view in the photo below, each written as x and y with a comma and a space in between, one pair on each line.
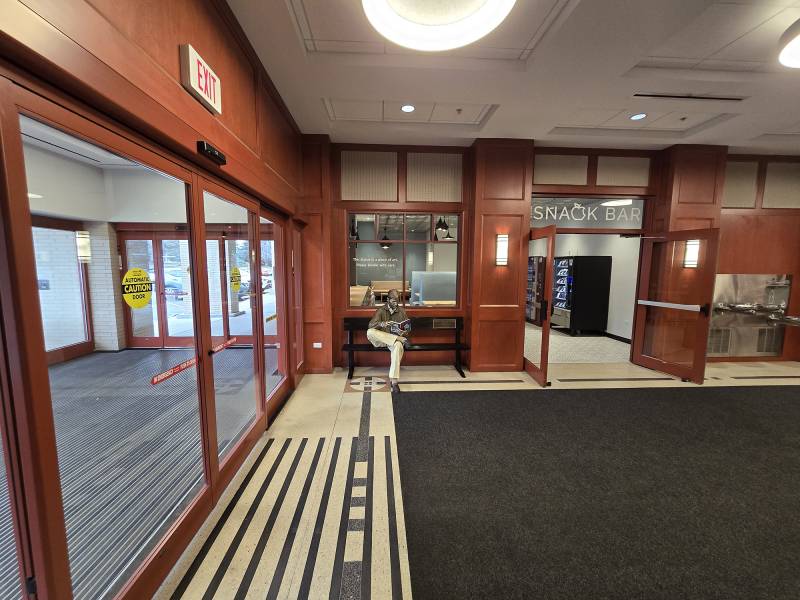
347, 300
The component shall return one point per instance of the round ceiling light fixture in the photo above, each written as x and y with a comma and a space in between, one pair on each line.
407, 108
638, 116
435, 25
790, 47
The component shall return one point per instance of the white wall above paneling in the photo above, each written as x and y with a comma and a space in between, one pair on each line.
740, 186
369, 176
434, 177
560, 169
782, 189
623, 171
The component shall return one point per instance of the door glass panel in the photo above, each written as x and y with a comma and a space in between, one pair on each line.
177, 288
235, 372
60, 278
240, 315
127, 421
144, 316
215, 300
537, 300
275, 365
10, 586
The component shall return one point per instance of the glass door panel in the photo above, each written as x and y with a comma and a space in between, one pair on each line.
232, 310
177, 292
143, 315
271, 286
538, 307
239, 314
674, 302
215, 295
126, 420
62, 293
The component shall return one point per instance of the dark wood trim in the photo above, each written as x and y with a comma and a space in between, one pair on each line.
55, 223
539, 373
548, 189
559, 150
400, 149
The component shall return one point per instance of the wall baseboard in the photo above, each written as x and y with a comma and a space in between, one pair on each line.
619, 338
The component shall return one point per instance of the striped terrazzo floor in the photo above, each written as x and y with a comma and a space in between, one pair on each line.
315, 515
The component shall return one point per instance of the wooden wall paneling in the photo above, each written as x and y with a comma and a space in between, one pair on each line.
695, 177
74, 47
502, 188
317, 264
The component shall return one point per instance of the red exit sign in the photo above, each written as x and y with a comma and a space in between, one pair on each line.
200, 80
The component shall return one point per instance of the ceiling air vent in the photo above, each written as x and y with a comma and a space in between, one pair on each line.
690, 97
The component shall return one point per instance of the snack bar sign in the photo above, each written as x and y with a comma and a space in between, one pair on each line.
594, 213
200, 80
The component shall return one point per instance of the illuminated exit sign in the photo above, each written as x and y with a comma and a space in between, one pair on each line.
198, 78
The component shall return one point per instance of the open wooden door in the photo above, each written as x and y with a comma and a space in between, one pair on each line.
539, 306
673, 306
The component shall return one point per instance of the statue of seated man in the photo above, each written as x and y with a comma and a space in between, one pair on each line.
389, 328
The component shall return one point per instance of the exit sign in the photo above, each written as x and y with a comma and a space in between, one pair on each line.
200, 80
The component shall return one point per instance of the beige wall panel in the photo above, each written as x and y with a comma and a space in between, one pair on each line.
433, 177
369, 176
560, 169
782, 189
739, 190
623, 170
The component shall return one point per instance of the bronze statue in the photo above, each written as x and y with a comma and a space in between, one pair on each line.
389, 328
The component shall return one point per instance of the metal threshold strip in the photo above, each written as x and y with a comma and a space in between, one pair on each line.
676, 306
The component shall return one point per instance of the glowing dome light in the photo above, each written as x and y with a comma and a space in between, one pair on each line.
790, 47
435, 25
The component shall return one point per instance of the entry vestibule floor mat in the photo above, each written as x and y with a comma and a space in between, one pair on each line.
592, 494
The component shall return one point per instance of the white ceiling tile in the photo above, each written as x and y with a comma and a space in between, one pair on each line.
422, 111
590, 117
680, 121
719, 25
357, 110
471, 51
525, 19
668, 63
339, 20
761, 44
730, 65
448, 112
349, 47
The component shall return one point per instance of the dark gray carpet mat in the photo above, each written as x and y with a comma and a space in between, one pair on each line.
573, 494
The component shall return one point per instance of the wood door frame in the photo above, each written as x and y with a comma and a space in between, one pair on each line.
539, 373
695, 372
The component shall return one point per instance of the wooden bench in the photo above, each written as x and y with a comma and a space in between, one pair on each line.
454, 324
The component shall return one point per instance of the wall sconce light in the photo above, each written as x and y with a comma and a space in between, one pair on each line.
692, 254
501, 257
84, 246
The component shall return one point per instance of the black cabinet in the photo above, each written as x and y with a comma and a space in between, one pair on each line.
581, 285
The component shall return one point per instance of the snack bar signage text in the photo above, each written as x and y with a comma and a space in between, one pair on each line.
590, 214
200, 80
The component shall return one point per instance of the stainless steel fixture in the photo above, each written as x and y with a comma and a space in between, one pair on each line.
749, 316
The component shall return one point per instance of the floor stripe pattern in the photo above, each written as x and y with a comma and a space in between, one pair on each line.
313, 518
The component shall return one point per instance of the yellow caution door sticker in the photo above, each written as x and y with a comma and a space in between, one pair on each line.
236, 280
137, 288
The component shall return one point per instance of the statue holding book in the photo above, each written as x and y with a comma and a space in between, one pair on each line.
389, 328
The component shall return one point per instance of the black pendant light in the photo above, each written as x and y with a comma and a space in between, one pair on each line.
385, 240
441, 225
449, 237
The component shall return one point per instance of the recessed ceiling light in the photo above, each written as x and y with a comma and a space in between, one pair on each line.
435, 26
626, 202
638, 116
407, 108
790, 47
35, 196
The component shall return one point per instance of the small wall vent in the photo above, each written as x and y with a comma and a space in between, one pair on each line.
690, 97
719, 341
